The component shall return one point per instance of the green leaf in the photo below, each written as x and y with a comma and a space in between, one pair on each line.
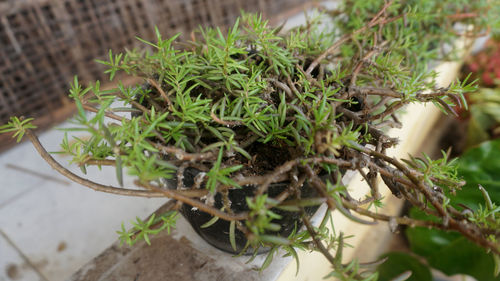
274, 239
398, 263
497, 264
210, 222
292, 252
463, 256
448, 251
232, 235
18, 126
119, 170
480, 165
269, 259
242, 152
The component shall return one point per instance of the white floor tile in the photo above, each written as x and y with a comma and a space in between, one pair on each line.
12, 265
13, 183
60, 227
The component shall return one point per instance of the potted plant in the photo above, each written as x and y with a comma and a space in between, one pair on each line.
250, 130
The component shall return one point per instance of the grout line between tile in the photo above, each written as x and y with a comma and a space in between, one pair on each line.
37, 174
23, 256
16, 197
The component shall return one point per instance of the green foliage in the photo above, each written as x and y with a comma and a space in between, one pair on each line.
141, 230
220, 175
442, 170
484, 115
18, 126
398, 263
113, 64
260, 216
349, 272
437, 18
450, 252
225, 97
223, 81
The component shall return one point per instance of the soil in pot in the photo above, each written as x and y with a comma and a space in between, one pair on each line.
266, 158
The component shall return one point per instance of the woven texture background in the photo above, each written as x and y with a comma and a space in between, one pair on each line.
44, 43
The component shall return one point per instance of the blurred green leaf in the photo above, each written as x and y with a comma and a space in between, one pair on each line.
484, 115
463, 256
398, 263
480, 165
448, 251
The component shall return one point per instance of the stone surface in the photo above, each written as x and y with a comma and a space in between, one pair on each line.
169, 257
166, 259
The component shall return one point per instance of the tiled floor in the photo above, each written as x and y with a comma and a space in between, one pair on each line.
50, 227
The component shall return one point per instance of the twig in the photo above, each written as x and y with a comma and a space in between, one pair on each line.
380, 103
371, 129
224, 122
315, 239
107, 188
287, 166
106, 113
95, 186
399, 220
453, 224
371, 180
460, 16
282, 86
384, 8
357, 68
169, 206
181, 154
376, 20
174, 194
389, 110
375, 91
162, 93
271, 177
99, 162
257, 180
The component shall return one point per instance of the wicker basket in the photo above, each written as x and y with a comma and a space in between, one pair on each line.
43, 43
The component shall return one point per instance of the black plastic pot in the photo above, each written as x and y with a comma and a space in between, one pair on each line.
218, 233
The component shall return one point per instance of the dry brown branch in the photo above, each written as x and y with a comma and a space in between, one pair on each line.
282, 86
180, 154
395, 106
224, 122
162, 93
375, 21
469, 230
316, 240
99, 162
95, 186
107, 114
399, 220
174, 194
107, 188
